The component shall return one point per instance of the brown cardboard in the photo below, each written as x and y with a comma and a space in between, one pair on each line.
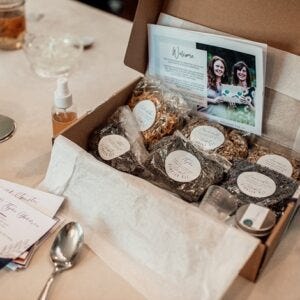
251, 268
79, 134
264, 251
276, 24
267, 25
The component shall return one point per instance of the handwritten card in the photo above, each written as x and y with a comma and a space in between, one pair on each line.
20, 225
45, 202
23, 261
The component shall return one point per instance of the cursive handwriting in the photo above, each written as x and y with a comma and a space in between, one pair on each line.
176, 52
22, 196
24, 216
9, 207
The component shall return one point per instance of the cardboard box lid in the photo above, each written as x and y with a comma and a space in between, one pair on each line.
274, 22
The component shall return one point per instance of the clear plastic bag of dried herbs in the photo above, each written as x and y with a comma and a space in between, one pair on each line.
253, 183
178, 166
275, 160
158, 109
119, 143
212, 137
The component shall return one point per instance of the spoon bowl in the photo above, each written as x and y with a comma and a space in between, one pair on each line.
64, 251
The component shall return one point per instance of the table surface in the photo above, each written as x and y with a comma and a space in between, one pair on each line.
27, 98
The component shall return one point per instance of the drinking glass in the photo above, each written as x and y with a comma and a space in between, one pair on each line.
52, 56
219, 203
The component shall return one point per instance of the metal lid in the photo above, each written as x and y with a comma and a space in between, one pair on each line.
255, 234
7, 128
266, 226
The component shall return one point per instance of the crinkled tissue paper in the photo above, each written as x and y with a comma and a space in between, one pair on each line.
163, 246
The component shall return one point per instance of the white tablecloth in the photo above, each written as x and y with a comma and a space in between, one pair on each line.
23, 159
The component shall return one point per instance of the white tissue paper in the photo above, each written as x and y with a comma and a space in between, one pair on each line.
163, 246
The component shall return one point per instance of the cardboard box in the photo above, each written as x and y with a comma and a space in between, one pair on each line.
256, 25
79, 133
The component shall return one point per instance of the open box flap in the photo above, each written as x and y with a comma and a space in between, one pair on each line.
277, 26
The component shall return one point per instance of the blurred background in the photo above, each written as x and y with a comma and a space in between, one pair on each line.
122, 8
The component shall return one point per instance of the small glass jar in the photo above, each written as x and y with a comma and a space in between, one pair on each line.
12, 24
219, 203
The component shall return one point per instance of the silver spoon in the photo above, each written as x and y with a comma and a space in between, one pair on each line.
63, 252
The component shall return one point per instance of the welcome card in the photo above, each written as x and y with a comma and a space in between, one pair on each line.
220, 77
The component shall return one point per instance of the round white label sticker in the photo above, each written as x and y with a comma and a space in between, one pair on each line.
112, 146
277, 163
207, 137
256, 185
145, 114
182, 166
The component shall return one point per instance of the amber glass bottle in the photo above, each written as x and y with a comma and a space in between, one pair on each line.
63, 111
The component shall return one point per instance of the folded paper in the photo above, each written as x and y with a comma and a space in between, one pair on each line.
44, 202
20, 225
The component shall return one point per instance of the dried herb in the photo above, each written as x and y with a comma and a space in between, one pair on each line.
235, 146
210, 171
121, 124
258, 151
168, 112
277, 201
227, 142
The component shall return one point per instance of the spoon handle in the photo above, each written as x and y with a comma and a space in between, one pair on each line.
44, 294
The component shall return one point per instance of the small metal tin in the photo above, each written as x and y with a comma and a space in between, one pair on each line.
265, 228
7, 128
254, 233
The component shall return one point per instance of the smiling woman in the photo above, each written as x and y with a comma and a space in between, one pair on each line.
216, 76
241, 75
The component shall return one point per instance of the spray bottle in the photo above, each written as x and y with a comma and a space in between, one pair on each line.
63, 111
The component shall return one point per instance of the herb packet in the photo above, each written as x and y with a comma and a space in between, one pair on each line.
253, 183
178, 166
119, 143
